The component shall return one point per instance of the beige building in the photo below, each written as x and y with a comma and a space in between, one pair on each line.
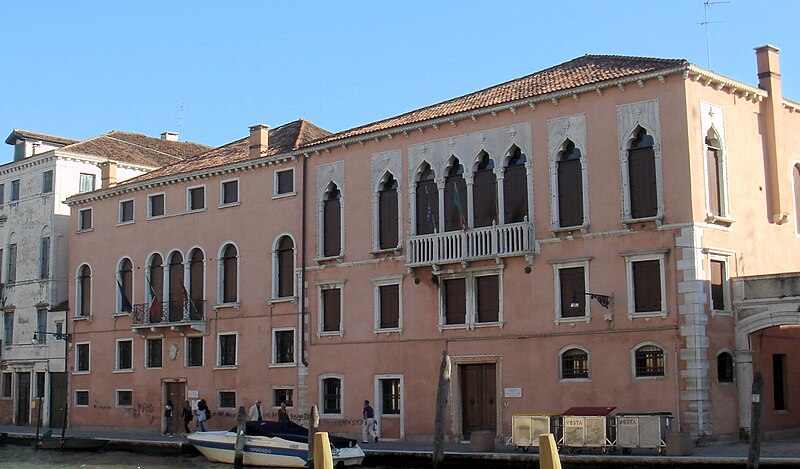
605, 232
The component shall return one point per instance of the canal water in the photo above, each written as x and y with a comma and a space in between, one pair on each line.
24, 457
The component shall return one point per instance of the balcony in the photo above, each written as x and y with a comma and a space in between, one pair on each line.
473, 244
178, 315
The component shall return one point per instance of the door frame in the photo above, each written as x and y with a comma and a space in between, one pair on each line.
177, 403
378, 403
456, 418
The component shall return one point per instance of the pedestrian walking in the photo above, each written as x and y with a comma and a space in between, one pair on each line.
187, 415
168, 418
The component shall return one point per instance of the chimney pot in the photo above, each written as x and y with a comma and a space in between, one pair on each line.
108, 174
259, 140
169, 136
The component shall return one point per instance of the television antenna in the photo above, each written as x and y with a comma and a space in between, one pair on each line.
180, 121
705, 23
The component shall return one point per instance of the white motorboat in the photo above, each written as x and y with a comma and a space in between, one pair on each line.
272, 444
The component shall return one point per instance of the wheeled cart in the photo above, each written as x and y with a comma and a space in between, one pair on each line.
587, 427
645, 430
526, 428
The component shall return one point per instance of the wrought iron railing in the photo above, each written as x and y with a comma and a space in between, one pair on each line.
472, 244
168, 313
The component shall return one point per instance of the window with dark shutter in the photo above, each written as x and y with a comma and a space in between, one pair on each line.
229, 274
230, 192
156, 287
126, 280
642, 176
387, 214
572, 283
515, 188
484, 192
427, 202
197, 198
332, 233
227, 350
285, 257
488, 301
194, 351
284, 346
124, 355
713, 164
455, 199
82, 357
85, 291
570, 186
196, 283
126, 211
390, 396
285, 182
176, 287
154, 353
390, 306
455, 301
717, 285
331, 310
647, 285
156, 205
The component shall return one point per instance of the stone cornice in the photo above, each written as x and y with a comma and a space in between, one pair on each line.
719, 83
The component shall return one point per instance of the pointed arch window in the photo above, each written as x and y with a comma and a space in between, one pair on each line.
388, 213
196, 284
642, 176
155, 284
455, 197
332, 222
229, 270
125, 287
177, 298
515, 188
284, 256
484, 192
84, 291
427, 201
570, 186
715, 179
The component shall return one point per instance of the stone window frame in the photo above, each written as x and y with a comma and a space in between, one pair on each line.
150, 198
218, 361
222, 185
630, 117
117, 398
582, 262
329, 285
122, 204
189, 191
328, 176
321, 393
725, 256
382, 282
117, 358
186, 340
664, 357
650, 255
221, 278
276, 194
274, 363
383, 164
81, 393
471, 292
276, 270
559, 131
83, 224
78, 347
712, 121
561, 353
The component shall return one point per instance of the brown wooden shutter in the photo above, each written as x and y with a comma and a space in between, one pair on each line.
572, 287
570, 193
427, 201
231, 192
647, 286
387, 218
285, 267
176, 287
515, 194
126, 279
712, 168
86, 291
331, 320
488, 288
285, 182
196, 280
455, 219
332, 228
717, 285
484, 198
229, 275
157, 283
642, 179
390, 306
455, 301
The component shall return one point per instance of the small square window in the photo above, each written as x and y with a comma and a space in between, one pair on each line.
283, 395
154, 355
196, 198
284, 346
82, 398
86, 183
649, 361
229, 192
227, 399
194, 351
574, 364
124, 398
15, 190
284, 182
126, 211
155, 204
47, 181
85, 219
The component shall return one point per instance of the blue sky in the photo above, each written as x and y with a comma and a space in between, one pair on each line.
79, 69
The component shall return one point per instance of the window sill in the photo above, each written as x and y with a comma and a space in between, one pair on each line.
129, 222
230, 204
81, 372
85, 230
575, 380
154, 367
226, 367
573, 320
647, 316
81, 318
121, 314
282, 365
320, 260
282, 299
156, 217
569, 229
122, 371
658, 219
388, 330
220, 306
330, 334
284, 195
719, 220
377, 252
723, 313
649, 378
195, 210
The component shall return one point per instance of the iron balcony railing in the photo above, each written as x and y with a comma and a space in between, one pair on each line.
472, 244
168, 313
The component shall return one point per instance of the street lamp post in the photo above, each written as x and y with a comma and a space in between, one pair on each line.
67, 338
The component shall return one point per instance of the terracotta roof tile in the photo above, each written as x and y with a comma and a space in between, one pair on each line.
586, 70
28, 135
126, 147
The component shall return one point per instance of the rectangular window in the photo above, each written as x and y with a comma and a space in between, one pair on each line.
574, 364
44, 259
455, 301
82, 398
85, 219
390, 396
331, 310
649, 361
86, 182
82, 358
124, 398
6, 391
572, 283
8, 328
19, 150
15, 190
153, 357
647, 286
2, 194
229, 192
283, 395
39, 384
331, 396
284, 346
227, 399
389, 297
284, 182
124, 354
155, 205
126, 211
11, 272
719, 276
194, 351
41, 325
47, 181
196, 198
778, 381
488, 291
226, 355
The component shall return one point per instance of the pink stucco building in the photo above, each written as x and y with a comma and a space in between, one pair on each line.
611, 231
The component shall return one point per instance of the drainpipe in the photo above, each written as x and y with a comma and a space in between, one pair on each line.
769, 79
301, 288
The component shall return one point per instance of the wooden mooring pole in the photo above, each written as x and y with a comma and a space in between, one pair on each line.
441, 414
238, 457
313, 427
754, 454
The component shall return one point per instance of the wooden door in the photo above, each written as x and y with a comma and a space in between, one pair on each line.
23, 398
478, 398
58, 399
176, 392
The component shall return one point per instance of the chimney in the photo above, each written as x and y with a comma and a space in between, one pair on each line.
169, 136
259, 141
769, 80
108, 174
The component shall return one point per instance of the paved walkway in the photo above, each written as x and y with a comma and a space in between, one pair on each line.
780, 451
